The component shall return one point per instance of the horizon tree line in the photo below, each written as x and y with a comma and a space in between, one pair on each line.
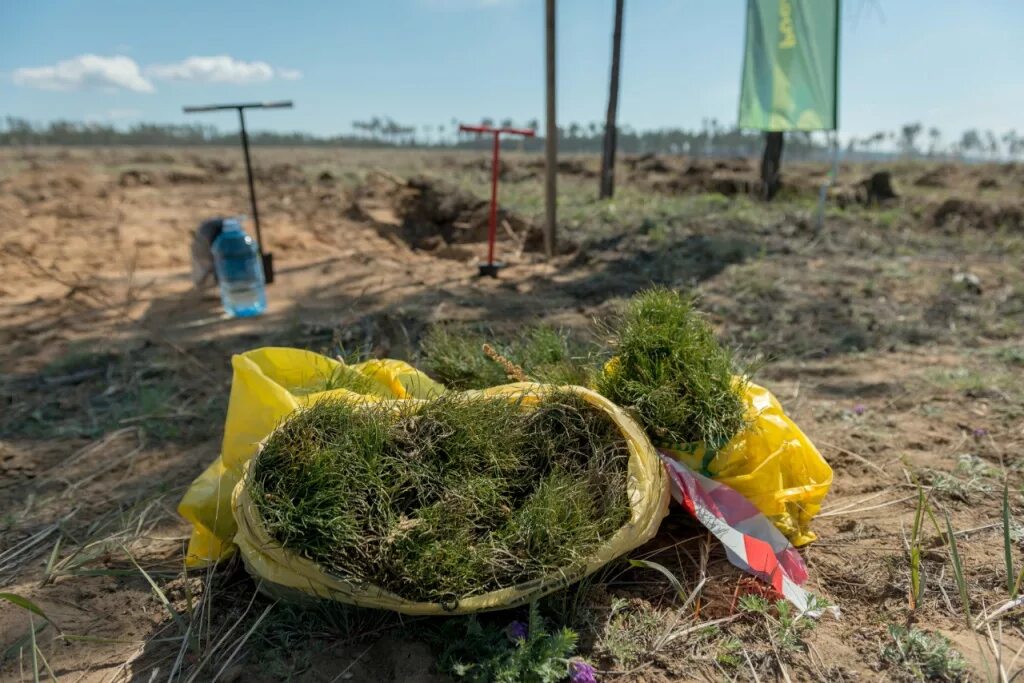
712, 139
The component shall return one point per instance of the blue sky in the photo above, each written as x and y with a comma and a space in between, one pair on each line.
948, 63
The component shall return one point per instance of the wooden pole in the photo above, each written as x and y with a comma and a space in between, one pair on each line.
771, 164
610, 131
551, 137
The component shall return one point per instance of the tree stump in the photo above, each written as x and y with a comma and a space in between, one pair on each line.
878, 187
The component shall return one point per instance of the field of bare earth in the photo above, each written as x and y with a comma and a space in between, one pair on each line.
894, 337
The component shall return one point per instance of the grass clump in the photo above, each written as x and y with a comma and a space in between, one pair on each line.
456, 498
452, 354
344, 377
672, 372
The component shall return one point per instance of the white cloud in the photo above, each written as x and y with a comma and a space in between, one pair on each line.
85, 72
92, 72
219, 69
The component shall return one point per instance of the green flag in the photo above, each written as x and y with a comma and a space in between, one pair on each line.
791, 65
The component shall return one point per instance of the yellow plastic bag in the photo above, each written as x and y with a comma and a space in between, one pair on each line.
773, 464
648, 495
267, 385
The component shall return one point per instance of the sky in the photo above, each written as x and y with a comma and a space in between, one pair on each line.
947, 63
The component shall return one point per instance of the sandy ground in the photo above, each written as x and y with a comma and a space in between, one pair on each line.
893, 337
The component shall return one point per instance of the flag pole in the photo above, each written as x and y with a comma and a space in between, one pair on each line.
833, 176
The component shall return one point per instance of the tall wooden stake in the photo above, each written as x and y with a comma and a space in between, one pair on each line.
771, 164
551, 137
610, 131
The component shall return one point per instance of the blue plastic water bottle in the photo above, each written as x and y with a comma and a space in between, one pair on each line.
239, 271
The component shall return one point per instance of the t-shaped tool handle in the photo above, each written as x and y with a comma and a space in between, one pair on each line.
491, 267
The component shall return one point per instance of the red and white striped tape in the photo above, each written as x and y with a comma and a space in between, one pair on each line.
751, 541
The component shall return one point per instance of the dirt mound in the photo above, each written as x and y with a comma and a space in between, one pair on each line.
533, 167
213, 165
730, 184
653, 165
646, 164
939, 177
152, 158
701, 177
432, 208
877, 187
280, 174
187, 175
64, 195
434, 215
734, 165
134, 177
578, 167
510, 172
959, 214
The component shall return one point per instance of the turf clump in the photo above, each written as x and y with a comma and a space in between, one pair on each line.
451, 354
450, 499
672, 373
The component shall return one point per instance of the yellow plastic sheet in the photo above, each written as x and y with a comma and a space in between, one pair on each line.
648, 495
773, 464
267, 385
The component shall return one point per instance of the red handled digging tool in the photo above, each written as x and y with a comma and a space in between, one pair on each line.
490, 269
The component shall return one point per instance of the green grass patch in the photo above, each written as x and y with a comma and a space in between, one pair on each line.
455, 499
453, 355
672, 372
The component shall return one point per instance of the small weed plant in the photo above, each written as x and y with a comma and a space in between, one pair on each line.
924, 656
784, 626
519, 653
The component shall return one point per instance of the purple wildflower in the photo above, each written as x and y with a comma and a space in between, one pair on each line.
581, 672
980, 432
516, 631
859, 409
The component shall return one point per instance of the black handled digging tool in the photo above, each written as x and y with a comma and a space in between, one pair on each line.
267, 257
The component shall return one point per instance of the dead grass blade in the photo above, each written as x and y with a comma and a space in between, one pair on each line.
241, 642
849, 511
664, 571
859, 458
158, 592
215, 648
12, 559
